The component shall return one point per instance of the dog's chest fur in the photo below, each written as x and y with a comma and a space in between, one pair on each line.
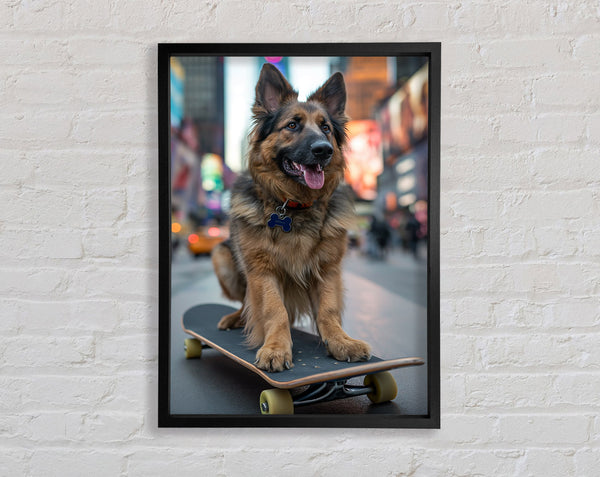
317, 237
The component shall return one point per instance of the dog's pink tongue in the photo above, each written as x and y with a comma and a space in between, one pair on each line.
314, 178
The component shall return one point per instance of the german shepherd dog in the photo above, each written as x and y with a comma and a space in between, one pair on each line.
288, 223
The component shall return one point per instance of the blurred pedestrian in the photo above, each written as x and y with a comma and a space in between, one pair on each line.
380, 232
412, 234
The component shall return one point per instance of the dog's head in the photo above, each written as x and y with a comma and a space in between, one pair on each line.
296, 146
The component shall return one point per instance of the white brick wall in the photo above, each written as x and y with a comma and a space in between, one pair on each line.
520, 239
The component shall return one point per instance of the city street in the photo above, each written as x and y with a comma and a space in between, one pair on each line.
385, 305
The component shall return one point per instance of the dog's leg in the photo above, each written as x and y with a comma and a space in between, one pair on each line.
329, 320
268, 323
232, 283
233, 320
230, 278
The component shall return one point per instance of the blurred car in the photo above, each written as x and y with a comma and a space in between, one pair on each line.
203, 240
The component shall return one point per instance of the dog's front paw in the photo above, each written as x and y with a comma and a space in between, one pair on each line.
348, 349
273, 359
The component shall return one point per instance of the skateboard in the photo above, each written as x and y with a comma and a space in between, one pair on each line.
315, 376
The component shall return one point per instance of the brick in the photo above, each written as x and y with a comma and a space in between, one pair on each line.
28, 316
591, 242
106, 283
593, 128
100, 129
37, 51
39, 127
475, 206
130, 392
134, 315
535, 277
503, 392
478, 279
149, 460
466, 132
61, 245
453, 392
66, 462
47, 352
541, 429
544, 54
47, 393
578, 279
429, 17
105, 427
106, 52
560, 127
133, 350
548, 128
458, 352
485, 15
586, 461
478, 172
141, 205
458, 462
114, 87
579, 18
14, 461
571, 168
548, 207
107, 243
39, 16
568, 89
304, 462
474, 312
535, 350
43, 87
461, 58
518, 313
571, 313
577, 390
461, 244
31, 282
17, 168
92, 168
502, 93
548, 462
519, 19
585, 50
105, 207
42, 208
464, 430
513, 241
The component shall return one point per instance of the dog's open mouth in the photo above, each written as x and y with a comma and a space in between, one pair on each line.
313, 174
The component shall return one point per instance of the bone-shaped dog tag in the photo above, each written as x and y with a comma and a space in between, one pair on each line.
280, 221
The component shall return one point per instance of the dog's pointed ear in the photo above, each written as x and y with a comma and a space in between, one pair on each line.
272, 89
332, 94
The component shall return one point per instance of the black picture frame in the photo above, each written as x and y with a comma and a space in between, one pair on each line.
428, 419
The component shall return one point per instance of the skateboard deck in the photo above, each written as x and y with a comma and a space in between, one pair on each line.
312, 366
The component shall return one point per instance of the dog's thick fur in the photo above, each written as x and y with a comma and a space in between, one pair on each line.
279, 275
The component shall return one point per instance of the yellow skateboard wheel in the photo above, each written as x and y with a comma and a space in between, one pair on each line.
384, 387
193, 348
276, 401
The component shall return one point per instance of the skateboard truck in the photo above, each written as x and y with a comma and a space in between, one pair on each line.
379, 387
331, 391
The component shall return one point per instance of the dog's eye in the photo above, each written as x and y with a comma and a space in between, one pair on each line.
326, 129
292, 125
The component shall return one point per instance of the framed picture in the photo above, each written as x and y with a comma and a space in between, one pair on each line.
299, 235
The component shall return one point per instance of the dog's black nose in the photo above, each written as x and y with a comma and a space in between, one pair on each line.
321, 149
